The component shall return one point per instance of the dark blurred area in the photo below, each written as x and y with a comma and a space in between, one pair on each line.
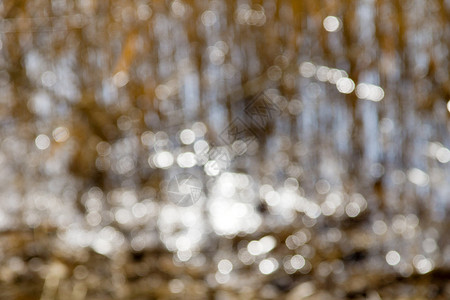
271, 149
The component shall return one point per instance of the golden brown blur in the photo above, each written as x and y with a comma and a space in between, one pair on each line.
271, 149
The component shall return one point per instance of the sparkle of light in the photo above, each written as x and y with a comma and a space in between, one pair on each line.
345, 85
331, 24
42, 142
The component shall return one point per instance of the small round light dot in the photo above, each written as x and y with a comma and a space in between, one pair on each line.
352, 209
225, 266
331, 24
163, 159
268, 266
42, 142
120, 79
392, 258
209, 18
60, 134
187, 136
297, 261
345, 85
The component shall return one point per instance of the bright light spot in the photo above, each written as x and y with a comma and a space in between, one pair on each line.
225, 266
255, 248
163, 159
360, 201
222, 278
307, 69
352, 209
209, 18
187, 136
122, 216
334, 75
268, 243
443, 155
331, 24
42, 142
186, 160
199, 129
229, 215
239, 210
272, 198
201, 147
418, 177
322, 73
212, 168
312, 210
93, 218
345, 85
183, 243
268, 266
60, 134
422, 264
184, 255
120, 79
370, 92
327, 208
448, 105
297, 261
392, 258
102, 246
139, 210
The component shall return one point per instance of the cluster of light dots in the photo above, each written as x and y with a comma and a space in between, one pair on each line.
344, 84
230, 213
246, 15
60, 135
164, 158
217, 52
420, 262
369, 92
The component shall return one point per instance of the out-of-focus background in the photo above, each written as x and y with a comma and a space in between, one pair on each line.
316, 134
